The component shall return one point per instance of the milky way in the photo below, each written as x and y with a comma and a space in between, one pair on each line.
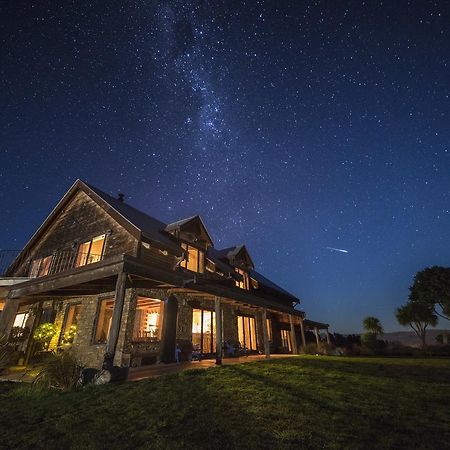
289, 126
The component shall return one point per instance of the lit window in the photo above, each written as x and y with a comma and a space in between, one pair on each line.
244, 283
204, 330
90, 251
20, 320
247, 332
195, 259
40, 267
255, 284
71, 321
147, 320
269, 329
286, 339
104, 321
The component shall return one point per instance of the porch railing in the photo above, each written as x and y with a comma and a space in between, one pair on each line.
11, 264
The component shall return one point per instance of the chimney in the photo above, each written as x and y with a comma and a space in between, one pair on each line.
121, 197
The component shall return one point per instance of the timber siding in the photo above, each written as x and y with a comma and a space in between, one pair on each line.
81, 220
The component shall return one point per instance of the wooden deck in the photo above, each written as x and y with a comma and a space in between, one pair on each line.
156, 370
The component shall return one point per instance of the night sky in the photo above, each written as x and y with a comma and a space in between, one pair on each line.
295, 127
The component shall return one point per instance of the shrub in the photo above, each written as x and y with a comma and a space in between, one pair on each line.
60, 371
44, 334
69, 336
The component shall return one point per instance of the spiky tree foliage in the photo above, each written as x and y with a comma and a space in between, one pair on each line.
60, 371
372, 325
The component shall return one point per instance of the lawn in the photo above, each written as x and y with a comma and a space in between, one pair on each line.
304, 402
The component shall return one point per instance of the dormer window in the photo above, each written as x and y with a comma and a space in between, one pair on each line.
195, 258
90, 251
244, 284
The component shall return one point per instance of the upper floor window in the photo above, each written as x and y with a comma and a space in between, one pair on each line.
244, 284
40, 267
195, 258
90, 251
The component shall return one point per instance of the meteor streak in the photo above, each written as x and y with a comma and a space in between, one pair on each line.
341, 250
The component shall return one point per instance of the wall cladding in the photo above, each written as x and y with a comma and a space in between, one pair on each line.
80, 220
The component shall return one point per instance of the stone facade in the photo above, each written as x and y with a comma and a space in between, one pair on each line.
130, 353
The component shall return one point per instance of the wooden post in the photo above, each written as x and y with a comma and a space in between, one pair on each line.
328, 336
316, 332
169, 330
31, 344
293, 339
302, 330
265, 334
113, 336
218, 331
8, 315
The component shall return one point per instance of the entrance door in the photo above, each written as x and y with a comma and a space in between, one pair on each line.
204, 330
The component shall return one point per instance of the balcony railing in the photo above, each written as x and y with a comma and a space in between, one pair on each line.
13, 265
6, 259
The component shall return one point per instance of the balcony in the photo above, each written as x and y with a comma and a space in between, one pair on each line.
12, 264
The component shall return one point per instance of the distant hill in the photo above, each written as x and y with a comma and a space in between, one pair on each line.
410, 338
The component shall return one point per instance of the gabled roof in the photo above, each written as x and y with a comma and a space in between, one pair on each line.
183, 222
215, 256
231, 253
152, 229
136, 222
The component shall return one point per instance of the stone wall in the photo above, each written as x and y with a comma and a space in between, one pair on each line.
92, 354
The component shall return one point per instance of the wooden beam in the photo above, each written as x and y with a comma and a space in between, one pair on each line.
316, 332
103, 269
218, 331
113, 336
293, 338
8, 315
265, 334
302, 331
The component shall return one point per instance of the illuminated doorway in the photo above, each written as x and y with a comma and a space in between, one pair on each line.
247, 332
204, 330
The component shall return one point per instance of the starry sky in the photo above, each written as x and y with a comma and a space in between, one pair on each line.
296, 127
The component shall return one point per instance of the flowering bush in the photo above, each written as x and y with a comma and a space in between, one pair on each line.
69, 336
44, 333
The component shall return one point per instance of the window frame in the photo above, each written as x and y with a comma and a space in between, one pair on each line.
201, 257
213, 346
250, 318
94, 340
66, 317
244, 284
286, 339
88, 254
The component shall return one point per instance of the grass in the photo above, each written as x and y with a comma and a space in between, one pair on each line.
305, 402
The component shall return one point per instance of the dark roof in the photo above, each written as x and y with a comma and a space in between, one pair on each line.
270, 284
216, 257
179, 223
151, 228
313, 324
230, 252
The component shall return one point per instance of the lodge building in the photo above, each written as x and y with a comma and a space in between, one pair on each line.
125, 288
